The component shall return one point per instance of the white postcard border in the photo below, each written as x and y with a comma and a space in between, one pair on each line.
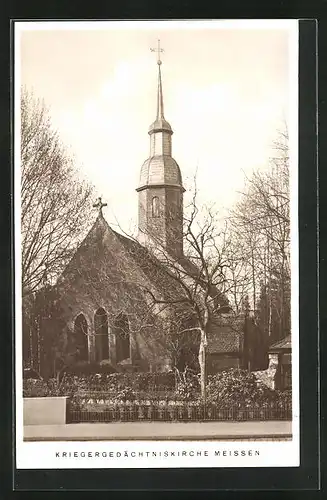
35, 455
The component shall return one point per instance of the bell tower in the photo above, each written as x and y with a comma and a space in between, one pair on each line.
160, 200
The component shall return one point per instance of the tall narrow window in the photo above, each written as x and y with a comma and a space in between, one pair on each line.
101, 335
155, 207
81, 337
121, 330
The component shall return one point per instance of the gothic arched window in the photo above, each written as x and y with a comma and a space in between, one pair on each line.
155, 207
101, 335
122, 333
81, 337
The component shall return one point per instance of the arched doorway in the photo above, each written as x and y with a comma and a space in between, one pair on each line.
121, 331
101, 335
81, 337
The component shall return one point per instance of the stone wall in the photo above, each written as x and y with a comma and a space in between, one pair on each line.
45, 411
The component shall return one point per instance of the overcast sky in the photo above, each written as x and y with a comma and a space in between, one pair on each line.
226, 92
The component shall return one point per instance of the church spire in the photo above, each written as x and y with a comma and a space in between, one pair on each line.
160, 188
160, 104
160, 123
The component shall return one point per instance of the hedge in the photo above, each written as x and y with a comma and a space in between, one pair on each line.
84, 369
232, 388
241, 388
105, 382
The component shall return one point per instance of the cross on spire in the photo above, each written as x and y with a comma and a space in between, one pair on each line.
158, 50
99, 204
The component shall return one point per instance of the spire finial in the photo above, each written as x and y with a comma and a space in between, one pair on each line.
99, 204
160, 107
158, 50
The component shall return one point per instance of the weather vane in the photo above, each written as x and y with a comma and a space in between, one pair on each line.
158, 50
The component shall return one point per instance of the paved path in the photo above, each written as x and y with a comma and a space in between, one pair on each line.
160, 431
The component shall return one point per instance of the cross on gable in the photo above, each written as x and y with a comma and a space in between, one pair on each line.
158, 50
99, 204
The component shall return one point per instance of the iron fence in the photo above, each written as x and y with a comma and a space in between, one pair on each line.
174, 413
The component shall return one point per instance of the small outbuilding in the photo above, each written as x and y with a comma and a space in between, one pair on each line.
280, 355
225, 348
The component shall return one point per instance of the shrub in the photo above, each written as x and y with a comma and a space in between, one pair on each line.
239, 388
33, 388
136, 381
187, 391
66, 387
30, 373
93, 376
284, 398
83, 368
188, 385
149, 381
125, 394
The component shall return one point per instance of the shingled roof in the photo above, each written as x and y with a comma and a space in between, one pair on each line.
150, 266
282, 345
224, 339
107, 253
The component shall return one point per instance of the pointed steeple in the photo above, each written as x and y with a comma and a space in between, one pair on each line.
160, 188
160, 104
160, 169
160, 124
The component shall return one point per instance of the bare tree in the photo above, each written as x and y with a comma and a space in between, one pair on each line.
54, 201
196, 283
262, 221
175, 299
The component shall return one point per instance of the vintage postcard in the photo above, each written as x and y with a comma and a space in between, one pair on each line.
156, 244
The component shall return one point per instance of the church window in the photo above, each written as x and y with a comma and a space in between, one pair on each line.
121, 331
81, 338
101, 335
155, 207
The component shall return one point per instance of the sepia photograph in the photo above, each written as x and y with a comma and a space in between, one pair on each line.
156, 245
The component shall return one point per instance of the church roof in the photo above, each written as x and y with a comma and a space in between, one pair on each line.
151, 266
105, 252
160, 170
160, 124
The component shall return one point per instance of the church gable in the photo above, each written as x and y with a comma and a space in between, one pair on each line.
104, 293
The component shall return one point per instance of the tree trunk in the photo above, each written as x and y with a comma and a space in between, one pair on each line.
38, 348
203, 366
253, 280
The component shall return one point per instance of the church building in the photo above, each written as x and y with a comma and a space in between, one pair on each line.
105, 291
